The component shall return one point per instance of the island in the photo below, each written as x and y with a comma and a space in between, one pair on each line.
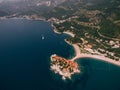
65, 68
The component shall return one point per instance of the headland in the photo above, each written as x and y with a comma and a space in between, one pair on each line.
66, 68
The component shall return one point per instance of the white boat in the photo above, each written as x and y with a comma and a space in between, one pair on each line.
43, 37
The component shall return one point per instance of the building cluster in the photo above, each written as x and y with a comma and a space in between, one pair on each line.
65, 66
114, 44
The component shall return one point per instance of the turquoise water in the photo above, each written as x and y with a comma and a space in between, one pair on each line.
98, 75
25, 60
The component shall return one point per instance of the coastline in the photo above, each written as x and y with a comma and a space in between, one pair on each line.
27, 18
79, 55
66, 32
101, 58
68, 66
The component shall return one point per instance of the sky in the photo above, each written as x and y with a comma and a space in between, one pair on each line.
10, 0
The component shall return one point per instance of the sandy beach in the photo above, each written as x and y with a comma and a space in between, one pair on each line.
54, 29
103, 58
66, 32
69, 33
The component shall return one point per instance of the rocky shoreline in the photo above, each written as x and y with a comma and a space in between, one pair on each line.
65, 68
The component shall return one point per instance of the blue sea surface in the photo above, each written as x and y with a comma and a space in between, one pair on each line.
25, 60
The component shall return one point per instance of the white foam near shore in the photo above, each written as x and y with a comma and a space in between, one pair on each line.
56, 69
55, 31
98, 57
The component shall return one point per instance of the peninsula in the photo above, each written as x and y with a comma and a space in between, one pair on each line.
66, 68
95, 32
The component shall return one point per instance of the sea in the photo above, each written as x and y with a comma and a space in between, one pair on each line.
25, 50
